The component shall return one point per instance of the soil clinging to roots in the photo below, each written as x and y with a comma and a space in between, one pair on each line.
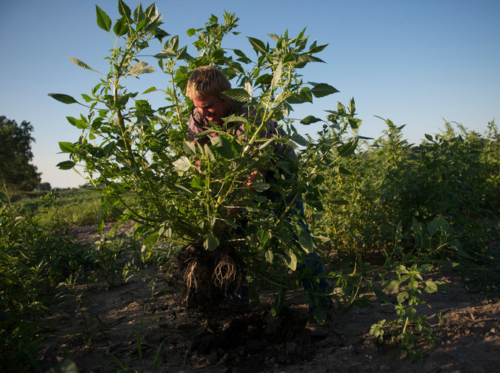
209, 276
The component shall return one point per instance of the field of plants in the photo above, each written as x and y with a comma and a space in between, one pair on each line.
107, 300
95, 280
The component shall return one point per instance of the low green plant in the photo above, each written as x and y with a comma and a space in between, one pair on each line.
110, 255
69, 291
32, 261
410, 329
73, 207
403, 273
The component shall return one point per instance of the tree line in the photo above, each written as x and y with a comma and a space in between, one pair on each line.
16, 169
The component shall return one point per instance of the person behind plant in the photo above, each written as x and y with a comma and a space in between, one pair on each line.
205, 88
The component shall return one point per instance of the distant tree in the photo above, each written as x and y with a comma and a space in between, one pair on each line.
44, 186
16, 170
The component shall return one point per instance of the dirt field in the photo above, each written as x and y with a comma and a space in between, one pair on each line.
467, 325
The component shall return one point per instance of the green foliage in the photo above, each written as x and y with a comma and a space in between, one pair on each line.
17, 172
33, 260
409, 330
392, 182
186, 193
407, 205
69, 289
73, 207
113, 256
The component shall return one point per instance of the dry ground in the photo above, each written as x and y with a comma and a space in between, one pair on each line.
467, 325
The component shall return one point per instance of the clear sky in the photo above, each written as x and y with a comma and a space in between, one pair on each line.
416, 63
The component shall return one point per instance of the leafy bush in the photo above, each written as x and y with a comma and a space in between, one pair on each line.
188, 193
391, 182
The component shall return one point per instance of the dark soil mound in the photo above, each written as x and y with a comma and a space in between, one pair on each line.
255, 340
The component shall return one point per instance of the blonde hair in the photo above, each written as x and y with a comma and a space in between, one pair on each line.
206, 81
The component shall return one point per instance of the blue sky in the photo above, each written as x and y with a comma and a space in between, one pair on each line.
416, 63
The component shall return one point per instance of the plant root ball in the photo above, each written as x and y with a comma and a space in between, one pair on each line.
209, 276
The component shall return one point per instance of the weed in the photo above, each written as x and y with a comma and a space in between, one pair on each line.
69, 289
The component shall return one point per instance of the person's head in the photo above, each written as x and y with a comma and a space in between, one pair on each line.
204, 88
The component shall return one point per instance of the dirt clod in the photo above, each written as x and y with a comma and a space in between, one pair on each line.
209, 276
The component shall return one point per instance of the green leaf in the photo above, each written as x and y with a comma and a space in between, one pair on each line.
223, 147
78, 123
413, 286
322, 89
433, 227
138, 14
151, 239
269, 256
141, 68
382, 296
402, 297
182, 164
292, 262
263, 236
167, 53
260, 186
277, 74
149, 90
348, 149
429, 137
208, 153
309, 120
399, 233
236, 119
65, 99
238, 94
123, 9
411, 313
211, 243
242, 56
103, 21
66, 165
303, 96
189, 148
66, 147
401, 269
391, 285
121, 27
86, 97
305, 239
80, 63
257, 45
100, 226
197, 183
430, 287
297, 138
230, 223
316, 49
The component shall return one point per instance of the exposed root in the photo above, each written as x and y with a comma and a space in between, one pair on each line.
209, 276
226, 273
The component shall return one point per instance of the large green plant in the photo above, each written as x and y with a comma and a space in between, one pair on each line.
187, 193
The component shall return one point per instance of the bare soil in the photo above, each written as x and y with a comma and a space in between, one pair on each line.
138, 319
